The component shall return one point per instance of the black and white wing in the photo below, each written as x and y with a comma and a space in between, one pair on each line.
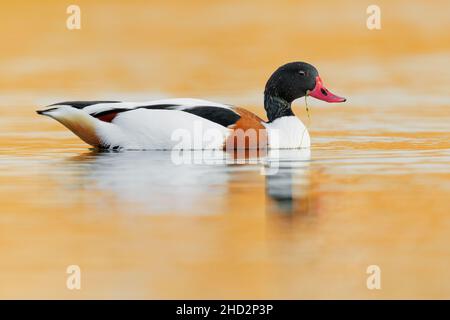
107, 111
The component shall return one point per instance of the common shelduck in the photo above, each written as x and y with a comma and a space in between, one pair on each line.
198, 124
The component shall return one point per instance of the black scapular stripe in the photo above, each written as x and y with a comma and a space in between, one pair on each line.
82, 104
120, 110
222, 116
160, 106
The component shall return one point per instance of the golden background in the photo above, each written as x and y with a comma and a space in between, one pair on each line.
378, 184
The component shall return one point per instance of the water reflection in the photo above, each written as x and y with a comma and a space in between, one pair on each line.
193, 182
288, 187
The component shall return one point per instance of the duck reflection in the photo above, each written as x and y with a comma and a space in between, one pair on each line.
288, 187
154, 182
192, 182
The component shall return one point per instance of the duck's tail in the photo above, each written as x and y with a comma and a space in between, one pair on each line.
78, 121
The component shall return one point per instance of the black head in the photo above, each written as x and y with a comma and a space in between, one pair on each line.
292, 81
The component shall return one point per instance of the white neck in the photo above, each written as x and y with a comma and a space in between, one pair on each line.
287, 133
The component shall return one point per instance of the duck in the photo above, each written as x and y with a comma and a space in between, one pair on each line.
187, 123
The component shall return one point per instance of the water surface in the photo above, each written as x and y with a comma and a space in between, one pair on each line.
373, 190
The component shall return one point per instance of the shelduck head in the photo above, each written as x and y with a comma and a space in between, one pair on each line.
290, 82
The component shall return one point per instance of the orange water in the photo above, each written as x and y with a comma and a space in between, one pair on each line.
374, 190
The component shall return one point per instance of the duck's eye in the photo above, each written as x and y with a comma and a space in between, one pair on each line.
302, 73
